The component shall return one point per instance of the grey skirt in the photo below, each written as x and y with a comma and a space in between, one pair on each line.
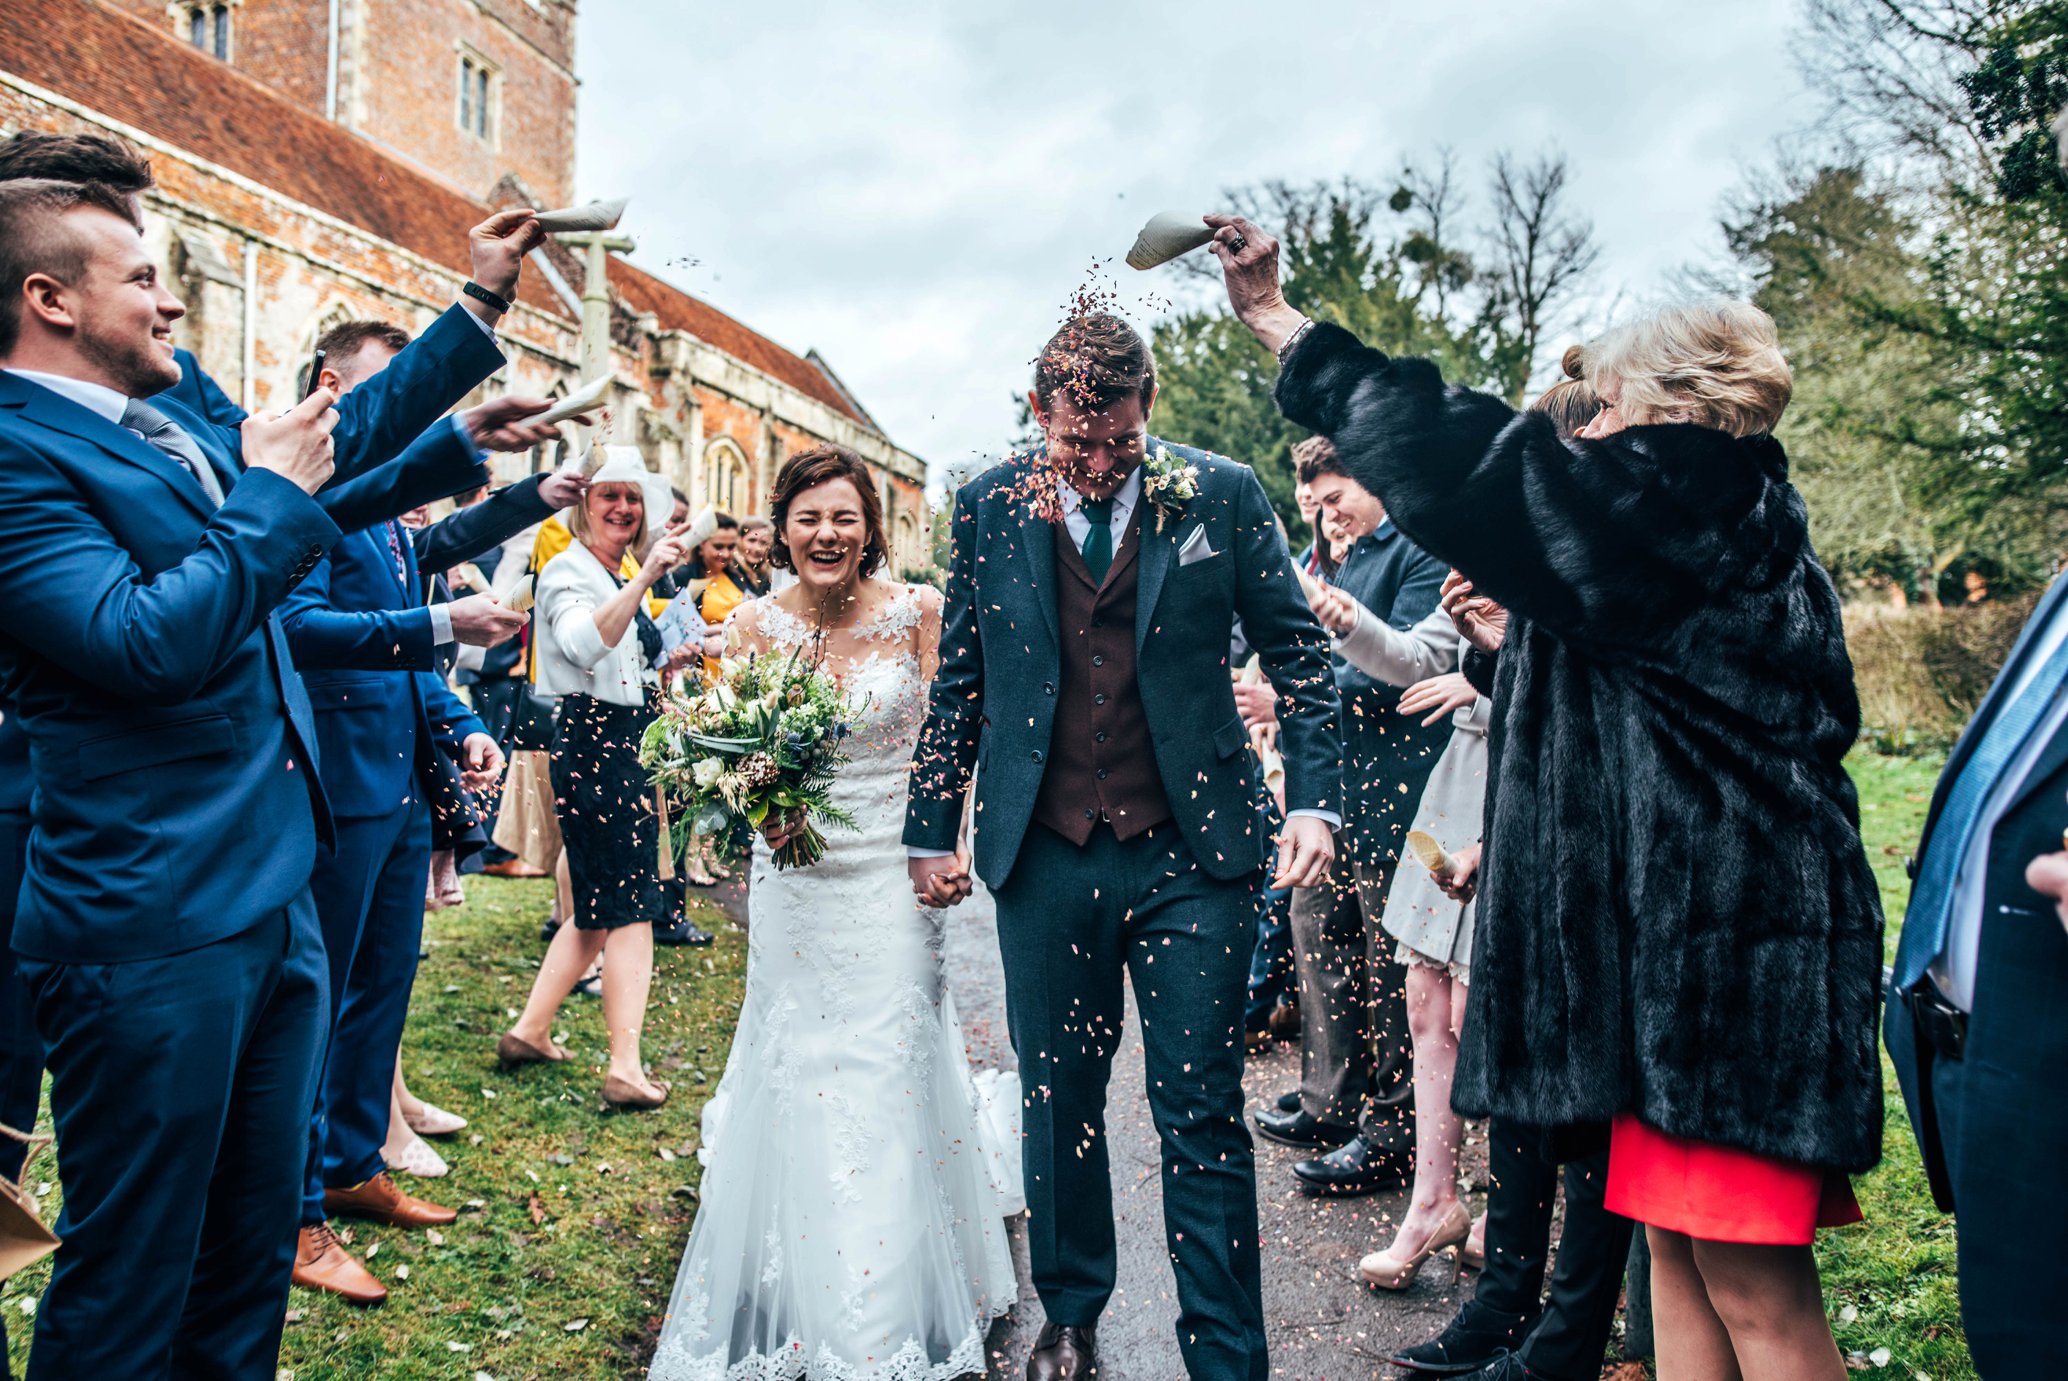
1431, 928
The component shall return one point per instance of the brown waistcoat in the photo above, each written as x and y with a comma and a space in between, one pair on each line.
1101, 765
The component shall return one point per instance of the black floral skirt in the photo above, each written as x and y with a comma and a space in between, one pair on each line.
605, 804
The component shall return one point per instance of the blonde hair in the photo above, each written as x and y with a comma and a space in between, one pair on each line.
584, 530
1716, 364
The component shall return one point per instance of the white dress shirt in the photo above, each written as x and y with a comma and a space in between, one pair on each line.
1124, 500
1954, 970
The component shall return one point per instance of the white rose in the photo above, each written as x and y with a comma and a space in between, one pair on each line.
707, 771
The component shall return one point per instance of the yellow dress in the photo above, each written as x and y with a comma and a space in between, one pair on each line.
721, 597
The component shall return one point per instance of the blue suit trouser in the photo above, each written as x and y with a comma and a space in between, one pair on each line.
370, 896
1073, 924
180, 1089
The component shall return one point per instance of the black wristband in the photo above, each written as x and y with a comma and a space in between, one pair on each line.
481, 294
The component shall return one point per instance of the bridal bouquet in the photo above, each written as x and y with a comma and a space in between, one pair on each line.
761, 738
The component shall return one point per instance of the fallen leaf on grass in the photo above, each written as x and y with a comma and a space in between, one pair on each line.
538, 1210
574, 1325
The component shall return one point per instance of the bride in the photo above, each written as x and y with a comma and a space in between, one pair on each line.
852, 1212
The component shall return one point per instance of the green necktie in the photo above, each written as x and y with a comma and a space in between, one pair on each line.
1098, 541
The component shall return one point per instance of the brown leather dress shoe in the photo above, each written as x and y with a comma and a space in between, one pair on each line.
382, 1200
1063, 1353
513, 868
322, 1263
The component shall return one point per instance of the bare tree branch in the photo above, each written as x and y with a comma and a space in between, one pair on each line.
1542, 249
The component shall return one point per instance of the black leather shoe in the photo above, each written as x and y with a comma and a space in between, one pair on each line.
1298, 1128
1063, 1353
681, 933
1355, 1168
1475, 1337
1508, 1367
1289, 1102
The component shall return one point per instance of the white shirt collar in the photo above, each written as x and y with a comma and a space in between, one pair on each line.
1124, 498
95, 398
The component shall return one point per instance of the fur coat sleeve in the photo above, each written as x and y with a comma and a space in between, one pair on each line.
1611, 541
1677, 919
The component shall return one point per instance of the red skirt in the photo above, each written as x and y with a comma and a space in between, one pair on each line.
1718, 1193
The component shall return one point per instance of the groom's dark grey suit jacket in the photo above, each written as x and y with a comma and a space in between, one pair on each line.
993, 705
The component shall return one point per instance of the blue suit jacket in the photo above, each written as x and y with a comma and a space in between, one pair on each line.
362, 637
199, 394
1383, 749
993, 703
169, 738
167, 730
2031, 825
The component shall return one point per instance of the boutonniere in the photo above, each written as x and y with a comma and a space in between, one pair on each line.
1168, 483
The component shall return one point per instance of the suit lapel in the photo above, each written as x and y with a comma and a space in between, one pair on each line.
1037, 544
1158, 550
47, 409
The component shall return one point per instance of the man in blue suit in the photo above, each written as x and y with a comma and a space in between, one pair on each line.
1977, 1024
366, 644
164, 927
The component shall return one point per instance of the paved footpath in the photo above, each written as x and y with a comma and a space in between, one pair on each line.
1324, 1325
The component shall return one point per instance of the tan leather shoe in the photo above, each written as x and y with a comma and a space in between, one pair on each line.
382, 1200
514, 868
510, 1050
322, 1263
620, 1093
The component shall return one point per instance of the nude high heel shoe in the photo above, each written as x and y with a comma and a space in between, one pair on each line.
1385, 1271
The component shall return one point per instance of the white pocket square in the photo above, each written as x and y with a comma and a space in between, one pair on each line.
1196, 548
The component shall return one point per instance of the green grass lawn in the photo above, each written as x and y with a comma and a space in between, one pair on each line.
574, 1217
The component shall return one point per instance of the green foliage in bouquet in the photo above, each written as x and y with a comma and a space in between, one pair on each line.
762, 738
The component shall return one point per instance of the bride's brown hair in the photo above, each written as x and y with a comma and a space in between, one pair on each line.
811, 468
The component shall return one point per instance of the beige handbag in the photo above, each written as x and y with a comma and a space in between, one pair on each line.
24, 1238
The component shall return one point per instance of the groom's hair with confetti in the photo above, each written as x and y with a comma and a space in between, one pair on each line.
1099, 359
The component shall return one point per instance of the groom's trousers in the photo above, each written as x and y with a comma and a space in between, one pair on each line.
1071, 922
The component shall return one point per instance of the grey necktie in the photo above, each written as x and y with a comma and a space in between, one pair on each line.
165, 435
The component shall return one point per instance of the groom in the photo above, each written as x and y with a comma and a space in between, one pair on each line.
1084, 673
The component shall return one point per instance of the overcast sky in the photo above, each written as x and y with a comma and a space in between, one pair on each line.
916, 189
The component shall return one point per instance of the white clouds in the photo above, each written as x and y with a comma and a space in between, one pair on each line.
916, 189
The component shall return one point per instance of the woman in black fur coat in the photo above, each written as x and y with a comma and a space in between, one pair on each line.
1679, 930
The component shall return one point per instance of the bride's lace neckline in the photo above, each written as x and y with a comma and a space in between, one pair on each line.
893, 621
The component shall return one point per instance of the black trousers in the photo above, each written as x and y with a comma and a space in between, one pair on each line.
1572, 1333
180, 1087
21, 1049
1073, 925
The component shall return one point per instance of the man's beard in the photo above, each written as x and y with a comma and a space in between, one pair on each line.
138, 370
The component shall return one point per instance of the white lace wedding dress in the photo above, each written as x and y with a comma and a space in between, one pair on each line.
852, 1213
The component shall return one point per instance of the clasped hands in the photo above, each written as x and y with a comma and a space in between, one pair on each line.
942, 881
